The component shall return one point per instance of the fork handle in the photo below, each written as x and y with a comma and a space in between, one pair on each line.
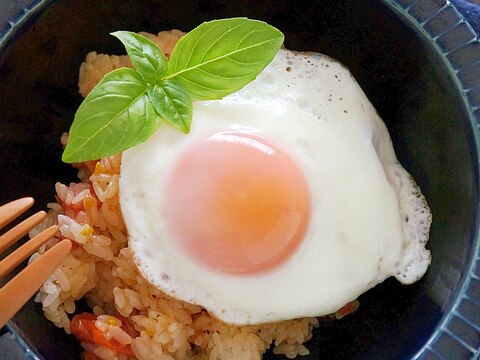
22, 287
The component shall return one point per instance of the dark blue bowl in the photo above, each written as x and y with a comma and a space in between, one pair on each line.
418, 62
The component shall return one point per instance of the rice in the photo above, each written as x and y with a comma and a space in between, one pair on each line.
138, 318
97, 65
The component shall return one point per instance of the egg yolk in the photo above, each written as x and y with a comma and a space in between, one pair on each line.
237, 204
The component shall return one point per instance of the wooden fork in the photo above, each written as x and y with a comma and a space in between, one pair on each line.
15, 293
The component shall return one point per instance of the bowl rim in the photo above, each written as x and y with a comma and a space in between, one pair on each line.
417, 14
420, 14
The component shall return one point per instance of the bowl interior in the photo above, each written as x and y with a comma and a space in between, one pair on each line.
399, 71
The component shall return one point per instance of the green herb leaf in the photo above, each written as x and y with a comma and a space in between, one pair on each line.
115, 116
173, 103
222, 56
145, 55
127, 106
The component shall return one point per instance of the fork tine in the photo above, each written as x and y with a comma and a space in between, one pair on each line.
16, 257
13, 209
22, 287
20, 230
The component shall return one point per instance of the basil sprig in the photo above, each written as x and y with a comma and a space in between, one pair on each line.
128, 105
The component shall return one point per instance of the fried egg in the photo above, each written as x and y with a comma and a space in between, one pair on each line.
285, 200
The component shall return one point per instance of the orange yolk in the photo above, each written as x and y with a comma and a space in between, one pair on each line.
237, 204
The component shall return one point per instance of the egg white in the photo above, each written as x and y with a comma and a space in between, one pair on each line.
310, 106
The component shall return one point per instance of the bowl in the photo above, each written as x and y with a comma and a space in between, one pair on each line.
417, 61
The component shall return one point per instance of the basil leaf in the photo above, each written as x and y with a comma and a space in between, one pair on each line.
145, 55
115, 116
222, 56
127, 106
173, 103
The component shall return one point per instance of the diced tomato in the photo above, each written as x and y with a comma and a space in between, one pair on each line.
83, 327
90, 165
127, 326
347, 309
58, 200
87, 355
69, 211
